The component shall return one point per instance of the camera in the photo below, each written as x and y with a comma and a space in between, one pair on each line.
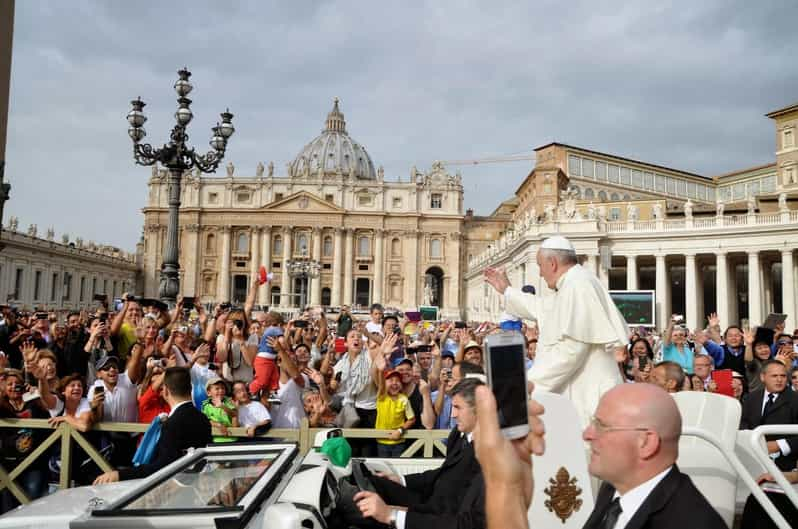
188, 303
226, 306
238, 324
459, 325
103, 317
301, 324
213, 367
158, 362
19, 387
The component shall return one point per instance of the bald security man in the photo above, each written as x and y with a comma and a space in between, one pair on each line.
634, 441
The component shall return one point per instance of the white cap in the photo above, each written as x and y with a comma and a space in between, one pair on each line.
558, 242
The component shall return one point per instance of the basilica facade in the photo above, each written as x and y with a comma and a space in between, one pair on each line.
332, 230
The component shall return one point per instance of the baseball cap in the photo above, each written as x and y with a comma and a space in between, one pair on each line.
400, 361
103, 362
390, 373
213, 381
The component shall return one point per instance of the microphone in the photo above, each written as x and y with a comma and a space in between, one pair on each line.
528, 289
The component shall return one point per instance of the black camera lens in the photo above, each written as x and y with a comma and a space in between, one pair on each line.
239, 324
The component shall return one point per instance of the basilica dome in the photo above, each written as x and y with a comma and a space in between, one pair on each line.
333, 153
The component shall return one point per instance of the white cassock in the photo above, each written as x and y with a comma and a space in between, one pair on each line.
579, 329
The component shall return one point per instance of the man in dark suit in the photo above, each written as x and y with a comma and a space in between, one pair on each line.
634, 442
449, 497
774, 403
185, 428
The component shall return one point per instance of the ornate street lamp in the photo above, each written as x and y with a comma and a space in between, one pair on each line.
178, 157
303, 268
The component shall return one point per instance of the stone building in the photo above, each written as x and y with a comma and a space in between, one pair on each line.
39, 272
722, 244
395, 242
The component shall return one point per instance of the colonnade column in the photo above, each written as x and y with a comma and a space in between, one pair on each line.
722, 289
690, 291
189, 260
754, 290
315, 282
411, 299
378, 267
286, 300
663, 291
254, 250
631, 272
336, 269
223, 292
266, 260
788, 289
348, 251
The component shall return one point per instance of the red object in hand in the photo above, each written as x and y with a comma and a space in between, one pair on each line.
340, 345
263, 277
723, 380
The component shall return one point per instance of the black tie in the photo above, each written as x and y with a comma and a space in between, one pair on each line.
611, 514
768, 405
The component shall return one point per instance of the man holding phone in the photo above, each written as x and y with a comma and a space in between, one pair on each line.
579, 327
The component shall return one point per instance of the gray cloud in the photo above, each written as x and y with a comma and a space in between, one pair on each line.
682, 85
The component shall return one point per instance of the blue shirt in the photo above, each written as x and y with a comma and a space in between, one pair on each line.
445, 421
671, 353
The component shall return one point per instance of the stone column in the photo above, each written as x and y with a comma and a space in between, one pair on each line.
379, 266
690, 291
767, 287
456, 296
285, 279
788, 289
335, 294
722, 289
663, 292
190, 259
223, 292
348, 258
754, 290
411, 261
254, 250
265, 260
631, 272
315, 282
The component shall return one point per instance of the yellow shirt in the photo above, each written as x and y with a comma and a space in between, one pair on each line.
127, 337
392, 412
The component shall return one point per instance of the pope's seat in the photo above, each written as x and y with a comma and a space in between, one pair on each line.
563, 497
707, 467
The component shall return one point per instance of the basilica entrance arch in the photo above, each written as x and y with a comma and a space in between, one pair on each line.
433, 287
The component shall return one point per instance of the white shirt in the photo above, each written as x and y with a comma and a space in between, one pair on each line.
783, 446
372, 327
83, 406
290, 411
177, 406
121, 403
252, 414
634, 498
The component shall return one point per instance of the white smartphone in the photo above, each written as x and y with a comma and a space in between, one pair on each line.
506, 375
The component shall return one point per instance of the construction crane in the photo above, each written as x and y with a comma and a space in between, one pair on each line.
496, 159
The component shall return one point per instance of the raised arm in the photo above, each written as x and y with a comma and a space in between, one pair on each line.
251, 295
666, 336
427, 409
713, 327
119, 319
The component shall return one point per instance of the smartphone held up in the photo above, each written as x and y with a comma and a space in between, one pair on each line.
506, 374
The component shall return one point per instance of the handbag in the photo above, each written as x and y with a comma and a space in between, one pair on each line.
348, 417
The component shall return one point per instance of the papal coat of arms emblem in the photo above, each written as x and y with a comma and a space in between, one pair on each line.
563, 495
303, 202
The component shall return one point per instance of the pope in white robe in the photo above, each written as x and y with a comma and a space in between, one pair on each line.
580, 327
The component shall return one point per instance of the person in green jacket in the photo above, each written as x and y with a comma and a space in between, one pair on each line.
220, 409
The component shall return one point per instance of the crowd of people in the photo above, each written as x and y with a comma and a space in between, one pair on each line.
386, 370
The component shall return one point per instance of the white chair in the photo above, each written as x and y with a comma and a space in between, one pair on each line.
706, 465
561, 470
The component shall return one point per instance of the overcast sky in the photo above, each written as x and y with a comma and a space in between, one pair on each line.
684, 86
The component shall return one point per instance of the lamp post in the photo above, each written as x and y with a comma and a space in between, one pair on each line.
178, 157
303, 268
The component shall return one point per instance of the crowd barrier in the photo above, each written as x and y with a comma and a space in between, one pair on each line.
426, 440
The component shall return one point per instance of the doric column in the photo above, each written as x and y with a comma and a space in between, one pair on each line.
223, 294
285, 283
315, 282
631, 272
663, 292
379, 267
265, 260
754, 290
722, 289
335, 295
788, 289
455, 295
690, 291
411, 260
348, 251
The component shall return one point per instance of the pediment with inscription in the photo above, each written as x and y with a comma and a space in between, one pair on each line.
303, 202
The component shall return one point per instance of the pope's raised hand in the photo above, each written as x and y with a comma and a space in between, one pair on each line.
497, 278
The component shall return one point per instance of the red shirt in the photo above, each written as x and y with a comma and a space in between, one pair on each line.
151, 404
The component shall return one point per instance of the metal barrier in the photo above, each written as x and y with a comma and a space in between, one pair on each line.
428, 440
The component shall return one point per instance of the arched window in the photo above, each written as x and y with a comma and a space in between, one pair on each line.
589, 195
242, 242
208, 287
363, 247
210, 243
615, 197
326, 296
327, 247
277, 246
396, 247
602, 196
302, 244
435, 248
